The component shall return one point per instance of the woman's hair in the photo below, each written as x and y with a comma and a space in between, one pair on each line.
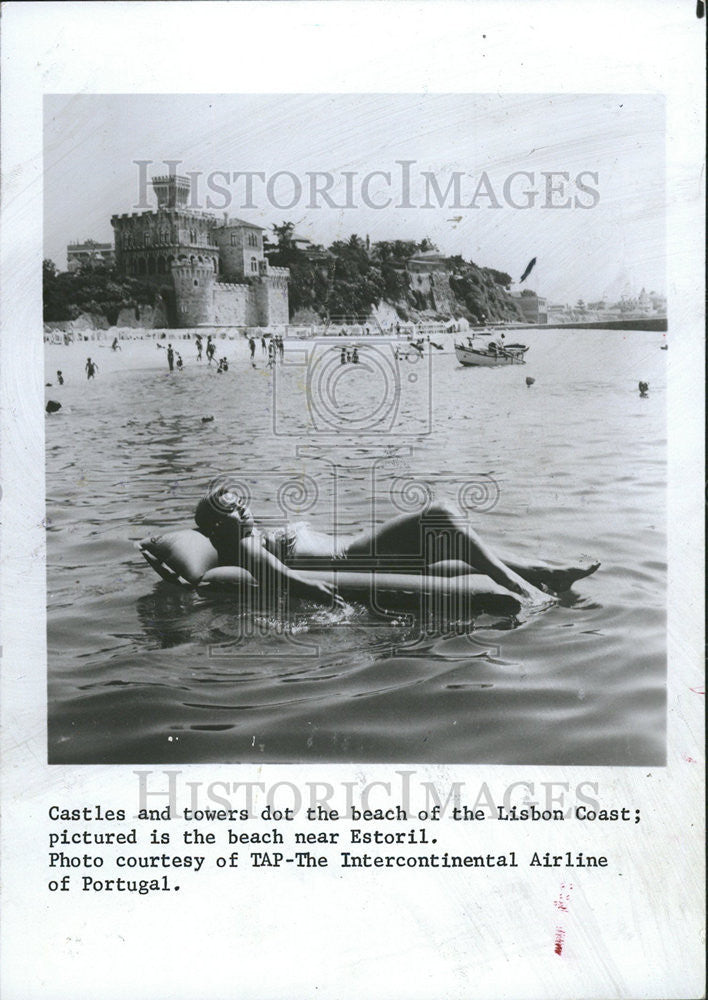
221, 498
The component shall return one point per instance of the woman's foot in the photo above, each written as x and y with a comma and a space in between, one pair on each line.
560, 579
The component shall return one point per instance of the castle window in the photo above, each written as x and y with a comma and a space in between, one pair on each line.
234, 240
146, 239
195, 282
254, 265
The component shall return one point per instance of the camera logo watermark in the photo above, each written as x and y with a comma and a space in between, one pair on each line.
323, 387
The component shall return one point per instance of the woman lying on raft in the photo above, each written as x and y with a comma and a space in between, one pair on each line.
290, 555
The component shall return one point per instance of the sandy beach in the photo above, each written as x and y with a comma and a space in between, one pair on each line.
146, 350
140, 350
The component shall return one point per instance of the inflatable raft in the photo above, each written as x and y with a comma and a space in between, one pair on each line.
188, 559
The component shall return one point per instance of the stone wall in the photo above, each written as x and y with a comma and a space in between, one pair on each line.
234, 305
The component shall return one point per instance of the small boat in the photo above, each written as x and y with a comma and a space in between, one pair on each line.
492, 355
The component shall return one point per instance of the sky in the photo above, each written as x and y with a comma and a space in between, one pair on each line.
588, 243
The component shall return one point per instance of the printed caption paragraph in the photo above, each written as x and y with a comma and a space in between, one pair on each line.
101, 849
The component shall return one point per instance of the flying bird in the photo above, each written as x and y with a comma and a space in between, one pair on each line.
529, 268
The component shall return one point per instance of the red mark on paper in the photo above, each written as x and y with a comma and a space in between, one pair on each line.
561, 904
560, 938
689, 760
698, 690
563, 898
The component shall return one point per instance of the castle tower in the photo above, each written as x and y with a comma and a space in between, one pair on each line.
194, 293
148, 243
172, 191
271, 292
201, 267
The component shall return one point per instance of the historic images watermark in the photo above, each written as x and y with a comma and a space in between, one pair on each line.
400, 185
173, 790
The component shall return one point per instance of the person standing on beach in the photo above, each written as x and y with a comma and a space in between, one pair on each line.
252, 348
91, 368
179, 362
210, 349
199, 348
170, 357
60, 378
264, 346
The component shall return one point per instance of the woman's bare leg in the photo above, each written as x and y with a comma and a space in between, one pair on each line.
437, 534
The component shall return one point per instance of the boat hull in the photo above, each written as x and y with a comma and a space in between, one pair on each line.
472, 358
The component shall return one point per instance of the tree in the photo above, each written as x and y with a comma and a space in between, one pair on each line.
284, 234
91, 289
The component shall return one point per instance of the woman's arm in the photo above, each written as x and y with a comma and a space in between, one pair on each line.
268, 570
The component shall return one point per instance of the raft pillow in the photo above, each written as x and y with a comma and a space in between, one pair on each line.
188, 553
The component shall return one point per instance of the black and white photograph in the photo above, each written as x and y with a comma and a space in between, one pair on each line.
384, 412
352, 502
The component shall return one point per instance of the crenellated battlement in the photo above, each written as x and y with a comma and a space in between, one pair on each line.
178, 179
179, 212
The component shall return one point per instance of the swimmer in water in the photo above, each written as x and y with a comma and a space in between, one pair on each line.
224, 517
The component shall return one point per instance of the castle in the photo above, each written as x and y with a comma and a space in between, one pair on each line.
209, 272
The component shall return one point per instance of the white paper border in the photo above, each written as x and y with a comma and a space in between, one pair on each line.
418, 938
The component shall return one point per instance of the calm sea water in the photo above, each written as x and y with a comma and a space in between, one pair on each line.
140, 671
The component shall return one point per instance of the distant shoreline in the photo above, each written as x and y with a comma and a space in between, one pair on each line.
659, 323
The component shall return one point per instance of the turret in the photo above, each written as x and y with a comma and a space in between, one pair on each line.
194, 292
171, 191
